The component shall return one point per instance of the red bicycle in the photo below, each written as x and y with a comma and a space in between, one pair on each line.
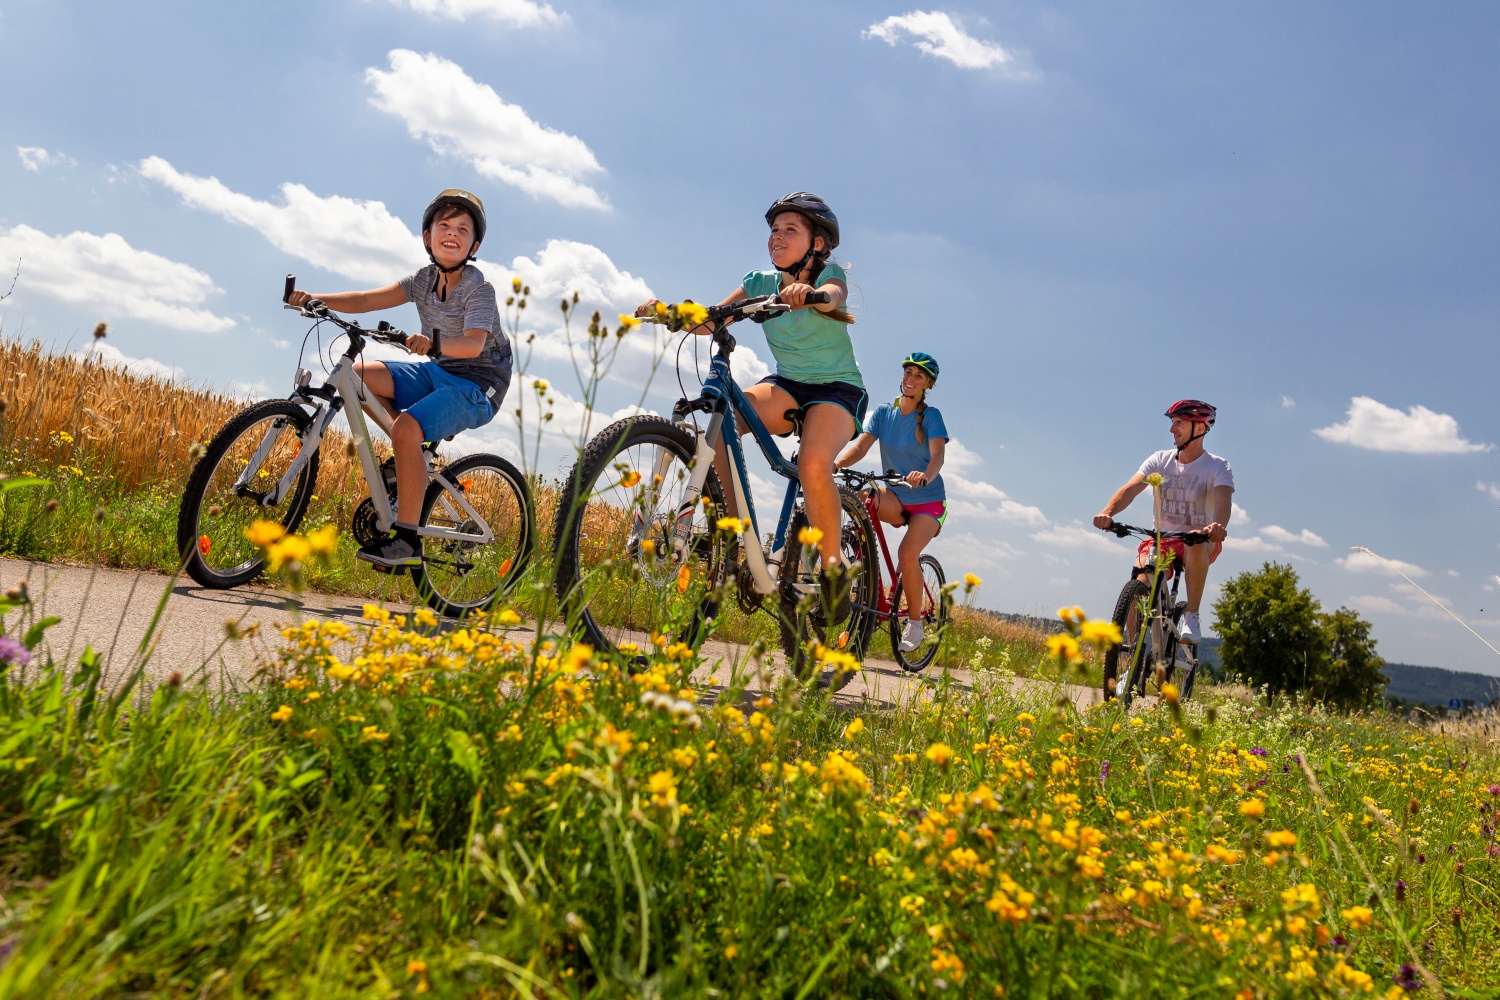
890, 599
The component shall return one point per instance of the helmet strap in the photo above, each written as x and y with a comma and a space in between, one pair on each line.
442, 271
1195, 436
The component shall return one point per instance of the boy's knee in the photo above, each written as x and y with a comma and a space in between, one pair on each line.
406, 427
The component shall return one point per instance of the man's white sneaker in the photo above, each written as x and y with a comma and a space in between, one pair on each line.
1188, 629
911, 637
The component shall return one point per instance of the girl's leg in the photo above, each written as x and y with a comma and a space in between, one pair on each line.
770, 403
890, 508
826, 429
923, 529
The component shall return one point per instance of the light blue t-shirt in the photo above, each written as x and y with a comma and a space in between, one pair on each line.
807, 345
900, 449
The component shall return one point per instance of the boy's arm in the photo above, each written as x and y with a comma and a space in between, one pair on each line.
469, 344
1120, 500
354, 302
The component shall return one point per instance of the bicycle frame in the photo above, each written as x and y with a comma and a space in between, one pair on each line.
886, 597
1162, 602
342, 392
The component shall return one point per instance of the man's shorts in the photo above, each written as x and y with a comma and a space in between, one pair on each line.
1176, 547
849, 397
935, 509
441, 403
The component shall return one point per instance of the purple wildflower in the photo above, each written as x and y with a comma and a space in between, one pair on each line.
1406, 978
12, 653
1104, 771
1400, 890
1339, 941
1421, 859
1494, 789
1260, 751
1493, 850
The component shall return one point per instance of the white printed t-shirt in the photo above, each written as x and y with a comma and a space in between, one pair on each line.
1185, 489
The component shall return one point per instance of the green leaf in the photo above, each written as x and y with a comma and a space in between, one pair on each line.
461, 745
6, 485
34, 634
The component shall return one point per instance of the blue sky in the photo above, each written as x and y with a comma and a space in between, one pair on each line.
1085, 212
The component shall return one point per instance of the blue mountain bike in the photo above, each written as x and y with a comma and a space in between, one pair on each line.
639, 547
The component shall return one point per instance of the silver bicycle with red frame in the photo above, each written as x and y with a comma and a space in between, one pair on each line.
1147, 613
476, 518
890, 595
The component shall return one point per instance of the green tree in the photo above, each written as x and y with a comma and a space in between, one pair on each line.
1272, 631
1351, 677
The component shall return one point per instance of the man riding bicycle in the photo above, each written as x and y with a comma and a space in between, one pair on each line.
1196, 489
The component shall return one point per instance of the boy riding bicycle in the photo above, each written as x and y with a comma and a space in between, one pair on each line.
466, 385
1196, 489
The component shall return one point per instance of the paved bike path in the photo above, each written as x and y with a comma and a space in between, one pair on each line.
111, 610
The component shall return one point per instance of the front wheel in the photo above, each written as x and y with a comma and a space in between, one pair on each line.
458, 576
805, 624
937, 605
636, 555
1128, 617
230, 489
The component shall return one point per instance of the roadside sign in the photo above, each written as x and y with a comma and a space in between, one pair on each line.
1455, 705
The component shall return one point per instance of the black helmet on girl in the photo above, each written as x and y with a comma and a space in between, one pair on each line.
824, 222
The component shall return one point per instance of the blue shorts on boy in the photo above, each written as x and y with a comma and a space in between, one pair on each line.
900, 449
466, 392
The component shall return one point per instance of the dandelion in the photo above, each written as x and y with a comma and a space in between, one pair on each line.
1102, 635
737, 525
282, 714
854, 728
1281, 838
971, 581
324, 540
940, 754
1170, 694
1063, 646
691, 313
629, 479
810, 535
628, 322
264, 533
1154, 479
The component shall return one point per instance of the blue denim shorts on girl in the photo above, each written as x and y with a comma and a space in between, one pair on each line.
442, 404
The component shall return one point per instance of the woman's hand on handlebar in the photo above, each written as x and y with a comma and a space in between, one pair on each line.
916, 478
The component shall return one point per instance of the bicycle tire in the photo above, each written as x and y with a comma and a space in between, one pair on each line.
933, 614
606, 576
1128, 620
803, 624
458, 577
212, 517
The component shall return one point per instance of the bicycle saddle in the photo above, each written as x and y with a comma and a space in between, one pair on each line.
794, 416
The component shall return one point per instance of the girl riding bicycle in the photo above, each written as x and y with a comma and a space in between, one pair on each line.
912, 440
815, 367
464, 389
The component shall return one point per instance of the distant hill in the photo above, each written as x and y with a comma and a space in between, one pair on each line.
1435, 686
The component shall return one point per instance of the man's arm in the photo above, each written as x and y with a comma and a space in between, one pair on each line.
1220, 508
1122, 498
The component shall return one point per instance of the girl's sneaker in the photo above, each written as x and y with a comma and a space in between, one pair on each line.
911, 636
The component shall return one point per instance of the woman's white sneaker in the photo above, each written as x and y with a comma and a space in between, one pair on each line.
911, 637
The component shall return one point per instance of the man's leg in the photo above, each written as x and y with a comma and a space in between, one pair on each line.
1195, 560
826, 429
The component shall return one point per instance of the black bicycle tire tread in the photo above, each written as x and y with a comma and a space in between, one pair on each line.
859, 643
197, 484
924, 661
1129, 595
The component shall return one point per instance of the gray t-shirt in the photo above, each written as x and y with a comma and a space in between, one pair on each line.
470, 306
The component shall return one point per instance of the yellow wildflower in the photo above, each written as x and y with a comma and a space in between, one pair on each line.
630, 478
854, 728
629, 322
1358, 916
810, 535
684, 577
1155, 479
1063, 646
1101, 634
971, 581
1281, 838
324, 540
1253, 808
691, 313
263, 533
1170, 694
282, 714
940, 754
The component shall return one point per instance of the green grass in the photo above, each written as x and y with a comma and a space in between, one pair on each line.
456, 814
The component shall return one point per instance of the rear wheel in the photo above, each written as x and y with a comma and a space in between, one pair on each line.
228, 488
634, 556
937, 605
803, 619
458, 576
1122, 658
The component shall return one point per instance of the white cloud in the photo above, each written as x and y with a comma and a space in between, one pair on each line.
1454, 573
360, 240
459, 116
572, 423
1489, 489
1254, 545
1276, 533
110, 277
112, 357
1378, 427
515, 13
968, 497
937, 34
1288, 402
1364, 562
1374, 603
1238, 513
1076, 536
35, 158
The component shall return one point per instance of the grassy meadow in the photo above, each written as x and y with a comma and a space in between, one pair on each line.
396, 808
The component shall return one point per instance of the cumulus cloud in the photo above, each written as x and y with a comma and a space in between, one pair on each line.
1077, 536
112, 357
1373, 425
1288, 402
1276, 533
971, 497
937, 34
1253, 545
513, 13
1490, 490
460, 116
1364, 562
108, 276
1239, 514
360, 240
35, 158
1376, 604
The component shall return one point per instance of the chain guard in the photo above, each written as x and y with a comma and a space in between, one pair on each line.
363, 524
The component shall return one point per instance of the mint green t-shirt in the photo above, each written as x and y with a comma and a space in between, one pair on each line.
807, 345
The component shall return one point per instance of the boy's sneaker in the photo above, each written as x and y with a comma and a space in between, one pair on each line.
1188, 629
911, 637
398, 551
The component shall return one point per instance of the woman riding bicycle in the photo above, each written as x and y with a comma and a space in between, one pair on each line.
815, 366
464, 389
912, 440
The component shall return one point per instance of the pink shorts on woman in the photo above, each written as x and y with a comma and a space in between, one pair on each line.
935, 509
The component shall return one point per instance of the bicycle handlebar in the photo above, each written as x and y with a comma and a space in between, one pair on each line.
383, 333
758, 308
855, 479
1186, 537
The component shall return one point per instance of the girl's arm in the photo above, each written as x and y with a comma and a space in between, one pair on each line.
854, 451
935, 448
355, 302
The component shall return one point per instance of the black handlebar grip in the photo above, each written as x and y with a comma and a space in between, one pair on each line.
436, 350
817, 299
291, 286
